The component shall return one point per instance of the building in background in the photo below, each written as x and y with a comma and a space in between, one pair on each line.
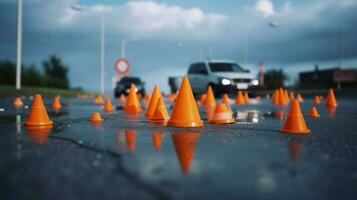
334, 77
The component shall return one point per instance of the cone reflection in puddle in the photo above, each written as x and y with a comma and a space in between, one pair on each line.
248, 116
157, 138
38, 134
185, 147
120, 139
130, 137
331, 111
280, 114
294, 151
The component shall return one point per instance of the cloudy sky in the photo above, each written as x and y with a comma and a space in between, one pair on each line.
171, 35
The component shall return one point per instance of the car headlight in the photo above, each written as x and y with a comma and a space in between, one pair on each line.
225, 81
255, 82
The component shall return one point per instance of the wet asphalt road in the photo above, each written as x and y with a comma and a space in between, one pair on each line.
128, 158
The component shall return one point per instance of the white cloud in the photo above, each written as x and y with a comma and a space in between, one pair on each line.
265, 7
150, 18
142, 18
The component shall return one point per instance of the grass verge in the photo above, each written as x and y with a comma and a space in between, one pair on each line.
10, 91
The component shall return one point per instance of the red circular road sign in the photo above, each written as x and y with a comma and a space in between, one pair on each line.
122, 66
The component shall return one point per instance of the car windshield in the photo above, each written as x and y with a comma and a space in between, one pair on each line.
226, 67
130, 80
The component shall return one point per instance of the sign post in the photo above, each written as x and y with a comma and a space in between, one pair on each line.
122, 66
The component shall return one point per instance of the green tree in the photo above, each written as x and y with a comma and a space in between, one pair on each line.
7, 72
56, 73
31, 76
274, 79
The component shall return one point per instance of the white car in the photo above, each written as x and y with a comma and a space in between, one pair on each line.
224, 76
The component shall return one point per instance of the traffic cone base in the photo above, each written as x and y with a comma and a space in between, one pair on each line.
38, 115
295, 122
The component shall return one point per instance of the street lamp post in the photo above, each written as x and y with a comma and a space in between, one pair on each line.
19, 45
102, 51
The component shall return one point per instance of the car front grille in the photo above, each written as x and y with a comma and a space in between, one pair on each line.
241, 80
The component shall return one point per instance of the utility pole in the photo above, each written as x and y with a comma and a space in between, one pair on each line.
19, 45
102, 51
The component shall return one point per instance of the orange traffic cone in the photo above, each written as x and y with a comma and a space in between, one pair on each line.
281, 98
210, 100
287, 99
18, 102
291, 95
240, 98
295, 122
160, 114
185, 146
157, 138
246, 97
95, 117
321, 97
299, 98
146, 100
121, 101
130, 137
257, 98
185, 112
132, 105
225, 99
203, 98
56, 105
222, 115
99, 100
153, 101
108, 107
275, 98
313, 112
280, 115
38, 115
331, 100
317, 100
